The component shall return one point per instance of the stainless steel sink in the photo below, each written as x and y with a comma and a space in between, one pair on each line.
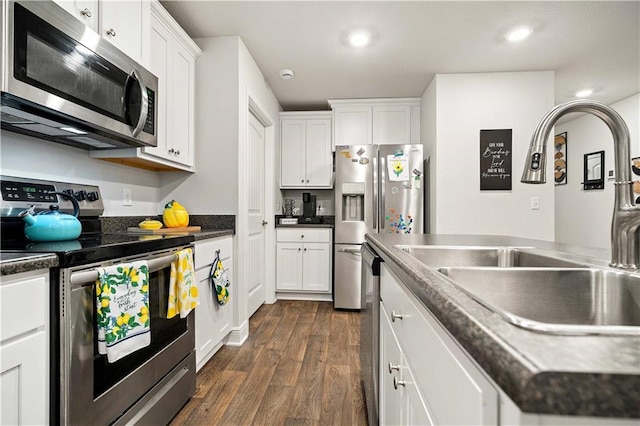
507, 257
556, 300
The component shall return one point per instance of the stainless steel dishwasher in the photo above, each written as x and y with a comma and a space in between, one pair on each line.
370, 330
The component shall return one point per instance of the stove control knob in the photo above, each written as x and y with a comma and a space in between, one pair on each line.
93, 196
68, 191
81, 195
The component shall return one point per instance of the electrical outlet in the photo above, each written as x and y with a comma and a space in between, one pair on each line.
535, 203
127, 197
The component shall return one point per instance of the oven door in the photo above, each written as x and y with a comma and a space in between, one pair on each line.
57, 65
94, 391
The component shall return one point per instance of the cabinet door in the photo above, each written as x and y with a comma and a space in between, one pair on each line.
159, 61
319, 164
292, 153
316, 267
352, 125
391, 124
414, 410
121, 22
86, 11
390, 398
24, 381
289, 266
181, 110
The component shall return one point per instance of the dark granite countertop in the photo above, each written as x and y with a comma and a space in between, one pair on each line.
584, 375
213, 226
14, 262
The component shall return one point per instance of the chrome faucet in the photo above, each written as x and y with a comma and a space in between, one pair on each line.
626, 215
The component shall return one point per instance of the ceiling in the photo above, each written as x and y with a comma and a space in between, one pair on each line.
589, 44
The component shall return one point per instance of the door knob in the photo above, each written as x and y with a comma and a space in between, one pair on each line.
111, 32
86, 13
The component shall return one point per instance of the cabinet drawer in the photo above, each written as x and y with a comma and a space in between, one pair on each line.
446, 377
303, 235
206, 251
22, 303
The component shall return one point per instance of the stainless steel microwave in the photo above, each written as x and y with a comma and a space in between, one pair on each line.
62, 82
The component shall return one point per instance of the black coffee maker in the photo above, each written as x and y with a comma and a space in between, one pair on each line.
309, 208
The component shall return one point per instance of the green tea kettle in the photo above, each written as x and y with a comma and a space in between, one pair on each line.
52, 225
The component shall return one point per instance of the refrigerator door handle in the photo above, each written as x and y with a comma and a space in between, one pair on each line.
383, 182
375, 193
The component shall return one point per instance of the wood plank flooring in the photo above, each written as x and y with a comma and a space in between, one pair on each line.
299, 366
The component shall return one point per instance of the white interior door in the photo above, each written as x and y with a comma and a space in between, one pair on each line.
255, 254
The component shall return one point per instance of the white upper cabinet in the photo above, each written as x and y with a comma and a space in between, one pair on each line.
172, 59
125, 24
376, 121
305, 150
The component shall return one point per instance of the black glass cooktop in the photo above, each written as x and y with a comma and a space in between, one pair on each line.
98, 247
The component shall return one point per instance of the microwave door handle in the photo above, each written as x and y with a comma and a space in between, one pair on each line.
144, 108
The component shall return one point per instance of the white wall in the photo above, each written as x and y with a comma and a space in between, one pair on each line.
466, 104
584, 217
25, 156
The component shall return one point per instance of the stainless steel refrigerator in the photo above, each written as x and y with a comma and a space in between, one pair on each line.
378, 189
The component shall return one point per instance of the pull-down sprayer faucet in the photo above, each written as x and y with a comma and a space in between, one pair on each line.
626, 216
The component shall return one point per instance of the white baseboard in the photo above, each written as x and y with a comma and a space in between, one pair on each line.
238, 335
292, 295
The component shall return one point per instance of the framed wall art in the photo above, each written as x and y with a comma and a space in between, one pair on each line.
560, 159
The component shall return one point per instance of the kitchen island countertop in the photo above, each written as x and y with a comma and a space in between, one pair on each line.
583, 375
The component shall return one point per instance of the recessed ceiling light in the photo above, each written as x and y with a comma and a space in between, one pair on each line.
286, 74
359, 38
518, 34
584, 93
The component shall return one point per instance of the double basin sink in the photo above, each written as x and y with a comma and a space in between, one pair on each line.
539, 290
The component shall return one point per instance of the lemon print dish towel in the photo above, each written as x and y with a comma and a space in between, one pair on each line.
183, 288
122, 309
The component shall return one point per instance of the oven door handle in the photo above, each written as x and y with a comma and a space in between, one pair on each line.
91, 275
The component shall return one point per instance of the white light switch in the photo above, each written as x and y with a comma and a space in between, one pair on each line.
127, 197
535, 203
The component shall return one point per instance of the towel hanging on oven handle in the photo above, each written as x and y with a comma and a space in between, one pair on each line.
220, 280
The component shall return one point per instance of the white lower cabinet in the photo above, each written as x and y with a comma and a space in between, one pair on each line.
401, 403
442, 385
303, 257
213, 321
24, 348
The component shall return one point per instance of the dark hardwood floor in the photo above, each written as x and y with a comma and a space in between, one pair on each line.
299, 366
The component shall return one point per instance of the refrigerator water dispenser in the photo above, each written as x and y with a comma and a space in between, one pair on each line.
353, 201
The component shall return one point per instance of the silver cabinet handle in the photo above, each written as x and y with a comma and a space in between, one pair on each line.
395, 316
393, 367
178, 152
305, 249
86, 13
264, 222
307, 180
301, 180
111, 32
397, 382
301, 235
299, 249
171, 151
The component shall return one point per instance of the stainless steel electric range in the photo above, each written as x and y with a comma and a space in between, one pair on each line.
148, 386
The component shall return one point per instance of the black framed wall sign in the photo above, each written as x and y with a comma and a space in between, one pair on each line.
495, 160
